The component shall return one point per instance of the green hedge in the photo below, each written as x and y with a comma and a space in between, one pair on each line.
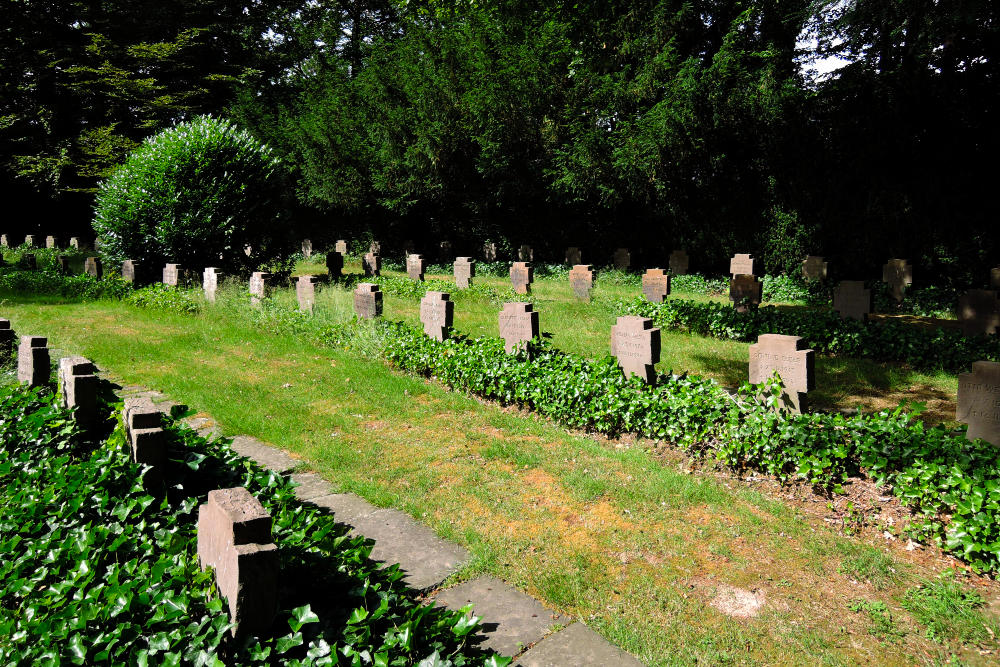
51, 283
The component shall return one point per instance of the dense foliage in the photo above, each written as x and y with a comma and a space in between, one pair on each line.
50, 283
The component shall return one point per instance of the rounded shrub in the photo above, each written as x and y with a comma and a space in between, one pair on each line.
198, 194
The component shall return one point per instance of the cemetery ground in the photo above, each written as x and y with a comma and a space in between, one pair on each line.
673, 563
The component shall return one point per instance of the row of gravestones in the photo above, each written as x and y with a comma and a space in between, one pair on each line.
234, 529
50, 242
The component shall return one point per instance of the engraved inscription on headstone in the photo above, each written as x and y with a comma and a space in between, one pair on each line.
334, 265
210, 282
171, 274
437, 313
622, 259
518, 325
415, 267
796, 366
259, 287
489, 252
744, 292
678, 263
51, 242
742, 265
581, 280
897, 274
372, 264
979, 401
33, 361
305, 292
979, 312
465, 271
341, 247
655, 285
814, 268
636, 345
367, 301
307, 248
92, 266
573, 256
852, 301
525, 254
521, 276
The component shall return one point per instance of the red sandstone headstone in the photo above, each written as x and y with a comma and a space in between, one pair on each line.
78, 386
742, 265
979, 312
518, 325
465, 271
574, 256
210, 282
897, 274
636, 345
145, 434
305, 293
33, 361
581, 280
171, 274
521, 277
372, 264
795, 365
979, 401
334, 265
622, 259
437, 314
367, 301
814, 268
744, 292
415, 267
852, 301
678, 263
655, 285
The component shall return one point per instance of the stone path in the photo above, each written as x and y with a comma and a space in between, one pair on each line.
511, 621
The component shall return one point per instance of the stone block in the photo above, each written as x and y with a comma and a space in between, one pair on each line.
33, 361
745, 292
260, 287
78, 388
979, 313
375, 248
415, 267
305, 292
465, 271
77, 243
796, 366
742, 265
437, 314
521, 277
678, 263
51, 242
341, 247
171, 274
372, 264
130, 271
581, 281
4, 243
368, 301
92, 266
814, 268
636, 345
852, 301
579, 646
145, 434
29, 240
334, 265
655, 285
518, 325
307, 248
622, 259
574, 256
897, 274
979, 401
210, 282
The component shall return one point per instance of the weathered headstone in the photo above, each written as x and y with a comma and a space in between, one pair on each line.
574, 256
814, 268
622, 259
518, 324
171, 274
678, 263
77, 242
145, 434
92, 266
581, 281
415, 267
372, 264
78, 387
248, 250
367, 301
62, 264
305, 292
465, 271
307, 248
897, 274
334, 265
29, 240
489, 252
33, 361
375, 248
341, 247
525, 254
979, 401
437, 313
259, 287
995, 278
51, 242
979, 312
28, 261
234, 539
6, 339
795, 365
655, 285
521, 277
852, 301
130, 271
3, 241
636, 345
744, 292
742, 265
210, 282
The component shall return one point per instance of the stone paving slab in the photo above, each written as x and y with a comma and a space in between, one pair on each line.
205, 426
579, 646
346, 507
511, 620
267, 456
311, 485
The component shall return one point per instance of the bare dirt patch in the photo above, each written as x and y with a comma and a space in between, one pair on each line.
738, 602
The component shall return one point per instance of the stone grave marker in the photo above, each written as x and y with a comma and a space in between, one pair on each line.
334, 265
744, 292
573, 256
76, 242
305, 292
234, 539
995, 278
3, 241
372, 264
171, 274
92, 266
655, 285
367, 301
51, 242
518, 325
796, 366
489, 252
307, 248
341, 247
248, 250
678, 262
375, 248
814, 268
521, 277
33, 361
622, 259
437, 313
979, 312
742, 265
526, 254
897, 273
259, 287
145, 434
29, 240
210, 282
78, 385
636, 345
581, 280
6, 339
415, 267
465, 271
28, 261
852, 301
130, 270
979, 401
62, 264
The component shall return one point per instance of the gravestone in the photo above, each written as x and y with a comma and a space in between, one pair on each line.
655, 285
334, 265
259, 287
796, 366
995, 278
742, 265
437, 313
29, 240
33, 361
305, 292
92, 266
636, 345
415, 267
518, 325
581, 280
130, 271
375, 248
28, 261
852, 301
6, 339
234, 539
51, 242
622, 259
897, 274
573, 256
525, 254
521, 277
210, 282
814, 268
372, 264
248, 250
744, 292
77, 242
78, 386
465, 271
145, 434
979, 313
367, 301
979, 401
171, 274
307, 248
678, 263
62, 264
341, 247
489, 252
3, 241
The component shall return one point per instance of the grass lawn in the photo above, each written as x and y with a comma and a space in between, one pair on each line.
636, 547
